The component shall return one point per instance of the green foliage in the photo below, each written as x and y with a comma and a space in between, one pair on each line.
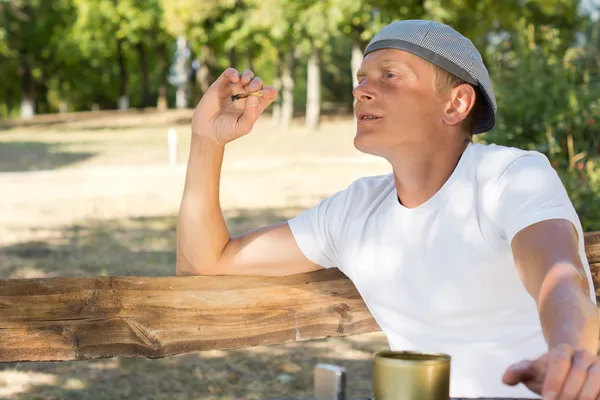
69, 47
549, 102
476, 19
31, 33
583, 187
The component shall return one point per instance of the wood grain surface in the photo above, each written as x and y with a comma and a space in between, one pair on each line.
61, 319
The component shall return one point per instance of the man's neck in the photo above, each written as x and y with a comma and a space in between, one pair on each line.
420, 175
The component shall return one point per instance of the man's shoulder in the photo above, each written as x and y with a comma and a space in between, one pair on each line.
372, 183
492, 160
362, 193
368, 188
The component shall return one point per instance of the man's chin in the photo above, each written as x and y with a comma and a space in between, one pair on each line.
366, 143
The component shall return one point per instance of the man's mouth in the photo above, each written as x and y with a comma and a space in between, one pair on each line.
368, 117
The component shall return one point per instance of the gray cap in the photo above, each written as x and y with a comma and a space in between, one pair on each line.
445, 47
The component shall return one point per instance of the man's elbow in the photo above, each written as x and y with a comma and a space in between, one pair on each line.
184, 272
184, 268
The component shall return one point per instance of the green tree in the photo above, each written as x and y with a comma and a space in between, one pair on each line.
111, 31
479, 20
549, 103
32, 36
197, 22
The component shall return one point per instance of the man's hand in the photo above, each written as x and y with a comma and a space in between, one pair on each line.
561, 374
219, 119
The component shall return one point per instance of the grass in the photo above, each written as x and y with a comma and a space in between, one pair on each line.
93, 194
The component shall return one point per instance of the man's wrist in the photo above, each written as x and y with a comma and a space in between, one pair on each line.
203, 141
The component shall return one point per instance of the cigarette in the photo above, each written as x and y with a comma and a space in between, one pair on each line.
238, 96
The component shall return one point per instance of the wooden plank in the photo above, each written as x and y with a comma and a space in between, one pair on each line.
85, 318
592, 251
60, 319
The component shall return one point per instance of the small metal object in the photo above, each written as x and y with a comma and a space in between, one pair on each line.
238, 96
329, 382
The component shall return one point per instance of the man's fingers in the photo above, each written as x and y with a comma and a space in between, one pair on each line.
254, 107
247, 76
591, 389
577, 375
559, 364
229, 76
269, 95
255, 84
251, 113
517, 373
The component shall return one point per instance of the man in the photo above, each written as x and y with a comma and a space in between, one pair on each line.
466, 249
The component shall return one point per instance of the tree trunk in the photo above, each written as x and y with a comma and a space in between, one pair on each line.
123, 97
41, 97
251, 58
313, 92
276, 117
204, 76
287, 109
233, 58
144, 82
182, 73
180, 97
162, 73
27, 88
357, 56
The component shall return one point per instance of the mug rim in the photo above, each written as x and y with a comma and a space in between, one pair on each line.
435, 358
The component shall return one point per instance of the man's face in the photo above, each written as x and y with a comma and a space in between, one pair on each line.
396, 87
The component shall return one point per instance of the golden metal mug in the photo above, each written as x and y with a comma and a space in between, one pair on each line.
409, 375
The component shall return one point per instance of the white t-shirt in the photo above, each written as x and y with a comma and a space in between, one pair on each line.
441, 277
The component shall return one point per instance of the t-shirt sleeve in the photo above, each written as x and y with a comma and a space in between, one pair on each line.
316, 230
531, 191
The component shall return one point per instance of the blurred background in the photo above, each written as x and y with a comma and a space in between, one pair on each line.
96, 98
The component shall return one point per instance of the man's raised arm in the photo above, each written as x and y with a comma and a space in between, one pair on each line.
204, 245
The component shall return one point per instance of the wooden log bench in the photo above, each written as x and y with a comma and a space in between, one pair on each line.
82, 318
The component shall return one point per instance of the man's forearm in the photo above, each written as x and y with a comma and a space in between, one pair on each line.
201, 231
567, 313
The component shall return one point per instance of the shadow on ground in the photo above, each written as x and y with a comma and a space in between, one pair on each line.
146, 247
48, 120
35, 156
259, 373
142, 246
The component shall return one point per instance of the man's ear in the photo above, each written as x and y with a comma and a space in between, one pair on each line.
461, 102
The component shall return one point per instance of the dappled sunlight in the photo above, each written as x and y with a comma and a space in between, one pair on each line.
104, 364
13, 382
135, 246
139, 247
29, 272
74, 384
259, 373
212, 354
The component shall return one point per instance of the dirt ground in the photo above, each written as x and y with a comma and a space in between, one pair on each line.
94, 194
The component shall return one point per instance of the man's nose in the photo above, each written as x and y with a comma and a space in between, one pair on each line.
363, 91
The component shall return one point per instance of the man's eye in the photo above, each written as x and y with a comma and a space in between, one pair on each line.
391, 75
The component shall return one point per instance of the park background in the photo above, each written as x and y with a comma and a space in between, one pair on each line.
93, 91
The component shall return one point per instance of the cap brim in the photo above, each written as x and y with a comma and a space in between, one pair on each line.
488, 119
